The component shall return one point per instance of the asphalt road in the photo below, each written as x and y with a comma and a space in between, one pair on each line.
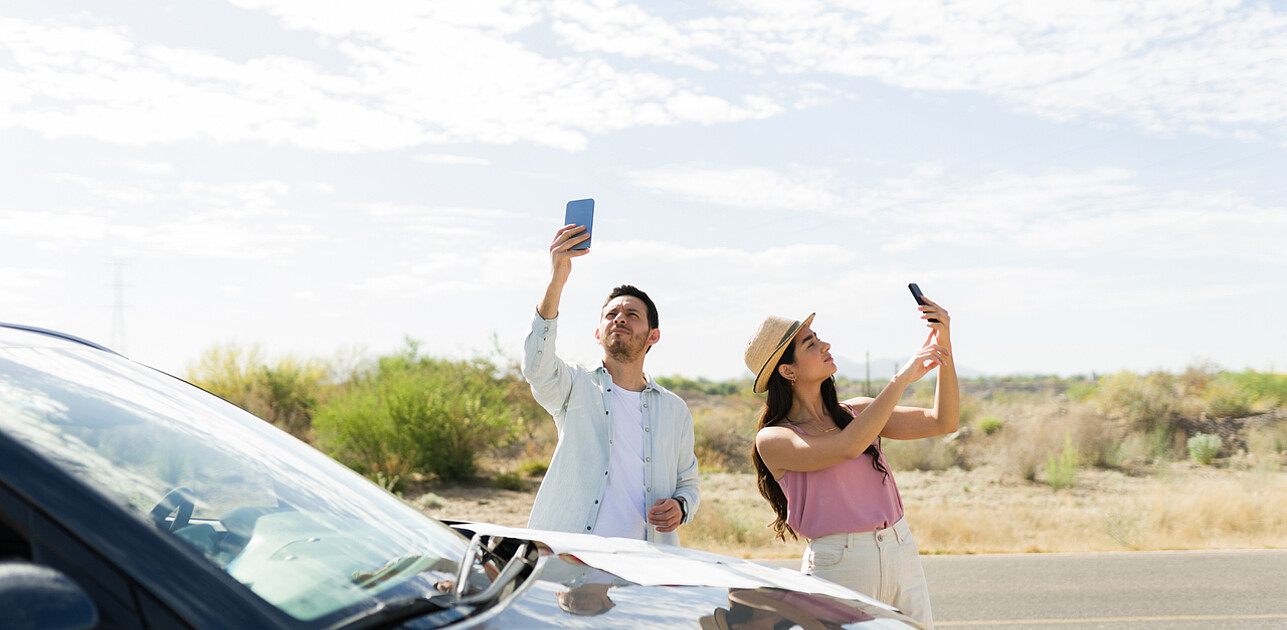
1182, 590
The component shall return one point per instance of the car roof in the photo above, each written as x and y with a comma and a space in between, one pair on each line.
34, 336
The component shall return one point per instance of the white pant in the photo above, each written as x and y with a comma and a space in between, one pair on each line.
884, 564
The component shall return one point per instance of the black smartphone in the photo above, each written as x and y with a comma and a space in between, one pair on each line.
581, 212
920, 297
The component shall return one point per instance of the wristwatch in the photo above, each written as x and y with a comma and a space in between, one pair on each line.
683, 509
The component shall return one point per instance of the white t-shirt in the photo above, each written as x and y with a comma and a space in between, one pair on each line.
623, 513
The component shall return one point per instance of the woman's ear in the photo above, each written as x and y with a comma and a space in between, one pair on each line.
787, 371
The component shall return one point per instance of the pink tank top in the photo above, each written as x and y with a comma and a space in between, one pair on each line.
851, 496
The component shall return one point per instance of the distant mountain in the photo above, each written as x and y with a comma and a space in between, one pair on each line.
883, 369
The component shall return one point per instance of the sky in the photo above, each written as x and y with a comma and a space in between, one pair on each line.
1086, 187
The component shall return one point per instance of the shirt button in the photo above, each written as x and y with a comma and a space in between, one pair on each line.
645, 429
587, 528
647, 459
649, 489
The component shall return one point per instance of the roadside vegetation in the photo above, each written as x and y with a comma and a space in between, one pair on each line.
1196, 459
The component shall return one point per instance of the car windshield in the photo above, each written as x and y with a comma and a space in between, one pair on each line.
301, 531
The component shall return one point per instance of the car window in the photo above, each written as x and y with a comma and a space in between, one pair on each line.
298, 529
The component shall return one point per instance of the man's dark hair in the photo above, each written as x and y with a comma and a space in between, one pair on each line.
632, 291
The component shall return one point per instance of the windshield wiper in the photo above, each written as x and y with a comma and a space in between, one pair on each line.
442, 607
445, 608
512, 569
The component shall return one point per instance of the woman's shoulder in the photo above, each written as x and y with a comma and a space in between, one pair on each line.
856, 405
776, 427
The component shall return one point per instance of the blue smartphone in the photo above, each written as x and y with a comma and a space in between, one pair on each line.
581, 212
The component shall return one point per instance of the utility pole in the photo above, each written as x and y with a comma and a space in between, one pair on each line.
866, 388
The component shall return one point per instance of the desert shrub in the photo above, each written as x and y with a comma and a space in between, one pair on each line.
1204, 447
990, 424
682, 385
1032, 432
724, 435
1061, 469
935, 453
534, 468
1267, 389
285, 394
418, 415
1081, 389
1029, 437
1226, 398
1141, 401
1267, 446
509, 481
537, 435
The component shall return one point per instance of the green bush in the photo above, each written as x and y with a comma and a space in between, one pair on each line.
1143, 402
1204, 447
509, 481
418, 415
1226, 399
286, 395
1061, 470
990, 424
1265, 388
534, 468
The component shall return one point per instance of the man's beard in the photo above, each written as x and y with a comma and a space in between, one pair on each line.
626, 350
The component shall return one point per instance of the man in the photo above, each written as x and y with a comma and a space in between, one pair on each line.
624, 463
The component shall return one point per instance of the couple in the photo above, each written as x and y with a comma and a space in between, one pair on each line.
624, 463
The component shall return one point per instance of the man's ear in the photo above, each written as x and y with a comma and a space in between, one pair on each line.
596, 334
654, 336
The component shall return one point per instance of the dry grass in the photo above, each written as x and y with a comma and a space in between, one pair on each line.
1181, 507
986, 490
986, 510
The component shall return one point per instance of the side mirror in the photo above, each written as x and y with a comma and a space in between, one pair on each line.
37, 597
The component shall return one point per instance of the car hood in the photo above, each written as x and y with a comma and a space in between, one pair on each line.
632, 583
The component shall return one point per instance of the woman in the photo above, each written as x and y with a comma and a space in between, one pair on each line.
819, 464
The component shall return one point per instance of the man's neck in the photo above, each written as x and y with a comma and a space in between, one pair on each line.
629, 375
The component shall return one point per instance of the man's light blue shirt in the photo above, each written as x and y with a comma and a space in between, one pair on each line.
580, 400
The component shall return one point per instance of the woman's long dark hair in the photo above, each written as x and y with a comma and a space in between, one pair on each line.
776, 407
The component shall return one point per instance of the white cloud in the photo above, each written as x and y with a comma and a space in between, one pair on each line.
414, 76
15, 280
449, 159
625, 29
50, 226
801, 189
1076, 214
439, 221
1206, 66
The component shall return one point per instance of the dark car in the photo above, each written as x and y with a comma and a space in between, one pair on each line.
132, 499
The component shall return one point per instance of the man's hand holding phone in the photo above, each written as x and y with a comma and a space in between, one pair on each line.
570, 241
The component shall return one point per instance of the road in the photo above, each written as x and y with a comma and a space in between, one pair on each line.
1237, 590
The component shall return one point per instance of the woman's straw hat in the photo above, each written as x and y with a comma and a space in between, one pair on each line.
767, 345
